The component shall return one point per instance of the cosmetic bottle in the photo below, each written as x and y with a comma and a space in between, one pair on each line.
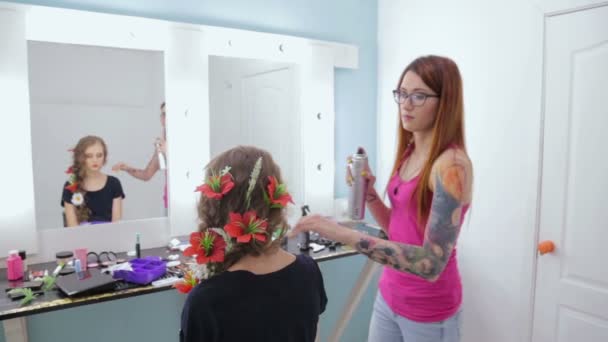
14, 266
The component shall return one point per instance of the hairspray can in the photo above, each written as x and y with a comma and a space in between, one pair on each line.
162, 163
304, 237
358, 189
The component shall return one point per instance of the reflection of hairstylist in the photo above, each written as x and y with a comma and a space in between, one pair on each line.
90, 196
157, 161
429, 190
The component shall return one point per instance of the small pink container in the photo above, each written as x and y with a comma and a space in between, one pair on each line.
81, 254
14, 266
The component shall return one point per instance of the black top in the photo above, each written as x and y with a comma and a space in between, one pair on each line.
99, 202
283, 306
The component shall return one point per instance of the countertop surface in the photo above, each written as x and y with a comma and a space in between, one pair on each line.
55, 300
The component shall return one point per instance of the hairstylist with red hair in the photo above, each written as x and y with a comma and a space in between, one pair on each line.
430, 189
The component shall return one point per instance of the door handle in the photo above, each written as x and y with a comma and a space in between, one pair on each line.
546, 247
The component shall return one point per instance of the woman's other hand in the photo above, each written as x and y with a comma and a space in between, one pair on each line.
324, 226
161, 145
120, 167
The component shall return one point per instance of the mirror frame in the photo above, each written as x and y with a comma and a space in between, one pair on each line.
186, 49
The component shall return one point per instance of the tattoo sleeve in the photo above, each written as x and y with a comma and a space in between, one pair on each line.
441, 233
148, 172
371, 197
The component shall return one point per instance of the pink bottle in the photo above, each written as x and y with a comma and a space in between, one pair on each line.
14, 266
81, 254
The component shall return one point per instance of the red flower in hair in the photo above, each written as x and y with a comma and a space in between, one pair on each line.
69, 170
277, 196
216, 186
72, 187
208, 246
246, 227
187, 283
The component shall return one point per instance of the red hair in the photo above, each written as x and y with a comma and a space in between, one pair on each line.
440, 74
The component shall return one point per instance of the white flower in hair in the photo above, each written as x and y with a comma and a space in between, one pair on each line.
77, 199
225, 170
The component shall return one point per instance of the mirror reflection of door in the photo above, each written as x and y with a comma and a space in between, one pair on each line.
76, 91
254, 102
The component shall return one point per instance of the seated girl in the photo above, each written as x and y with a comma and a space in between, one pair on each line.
257, 291
90, 196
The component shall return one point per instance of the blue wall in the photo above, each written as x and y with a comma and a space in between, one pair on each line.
155, 317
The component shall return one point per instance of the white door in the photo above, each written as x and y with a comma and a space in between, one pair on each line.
269, 97
571, 296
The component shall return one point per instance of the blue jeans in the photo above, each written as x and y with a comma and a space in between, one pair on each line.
387, 326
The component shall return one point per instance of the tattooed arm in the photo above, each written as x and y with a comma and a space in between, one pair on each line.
141, 174
147, 173
451, 186
379, 210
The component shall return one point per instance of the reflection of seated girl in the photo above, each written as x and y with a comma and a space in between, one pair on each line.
258, 292
90, 196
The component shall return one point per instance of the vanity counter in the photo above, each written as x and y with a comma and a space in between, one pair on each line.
52, 300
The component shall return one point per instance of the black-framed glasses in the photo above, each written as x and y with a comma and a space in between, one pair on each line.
417, 99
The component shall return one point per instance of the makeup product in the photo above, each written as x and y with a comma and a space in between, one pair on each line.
23, 257
64, 257
358, 189
37, 274
77, 266
66, 271
173, 257
81, 254
173, 244
106, 259
332, 246
92, 260
14, 266
316, 248
166, 281
173, 263
57, 269
304, 237
137, 246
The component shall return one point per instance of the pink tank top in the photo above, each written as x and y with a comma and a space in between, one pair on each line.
406, 294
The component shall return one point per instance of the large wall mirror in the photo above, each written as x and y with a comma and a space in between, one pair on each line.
256, 102
69, 74
114, 94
